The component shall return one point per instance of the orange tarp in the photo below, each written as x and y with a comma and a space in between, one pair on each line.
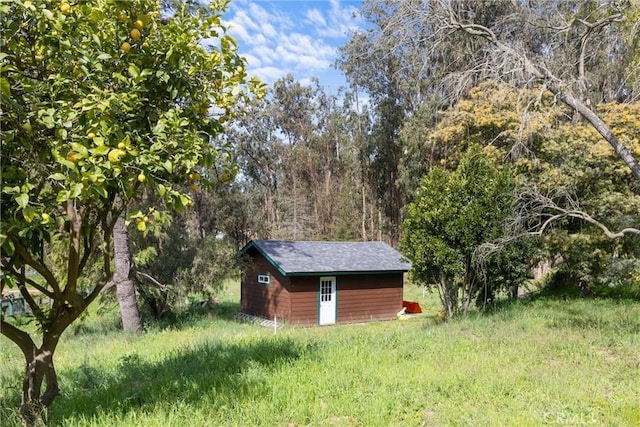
412, 307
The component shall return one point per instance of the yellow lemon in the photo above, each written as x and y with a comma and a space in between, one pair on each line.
125, 47
72, 156
65, 8
135, 34
139, 25
114, 155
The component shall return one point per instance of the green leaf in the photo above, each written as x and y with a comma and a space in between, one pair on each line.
100, 191
22, 199
58, 176
63, 196
7, 244
134, 71
68, 164
168, 166
120, 77
97, 41
5, 88
101, 150
11, 190
185, 200
48, 122
28, 213
79, 148
104, 56
76, 190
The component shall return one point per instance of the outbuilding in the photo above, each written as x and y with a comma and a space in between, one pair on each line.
322, 283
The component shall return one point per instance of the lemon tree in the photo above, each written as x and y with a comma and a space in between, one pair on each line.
102, 102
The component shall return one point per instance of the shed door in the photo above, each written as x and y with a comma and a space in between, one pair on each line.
327, 301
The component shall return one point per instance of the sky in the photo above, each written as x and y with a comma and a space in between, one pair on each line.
298, 37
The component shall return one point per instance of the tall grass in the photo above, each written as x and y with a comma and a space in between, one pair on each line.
540, 361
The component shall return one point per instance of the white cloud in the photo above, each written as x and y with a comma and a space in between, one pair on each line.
314, 17
268, 74
277, 38
252, 60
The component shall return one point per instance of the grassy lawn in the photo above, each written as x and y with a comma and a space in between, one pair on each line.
540, 361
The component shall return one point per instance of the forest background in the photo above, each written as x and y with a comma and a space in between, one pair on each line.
439, 79
498, 137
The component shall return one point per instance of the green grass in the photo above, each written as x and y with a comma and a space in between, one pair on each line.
540, 361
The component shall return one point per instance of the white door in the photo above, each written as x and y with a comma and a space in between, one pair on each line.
327, 303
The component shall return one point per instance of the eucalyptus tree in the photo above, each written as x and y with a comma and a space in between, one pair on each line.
100, 100
296, 148
398, 79
583, 52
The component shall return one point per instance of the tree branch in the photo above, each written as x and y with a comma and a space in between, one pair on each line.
19, 337
73, 264
35, 264
542, 73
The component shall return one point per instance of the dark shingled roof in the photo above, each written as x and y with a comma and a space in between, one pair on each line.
300, 258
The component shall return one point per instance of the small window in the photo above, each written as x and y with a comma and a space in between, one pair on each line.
264, 279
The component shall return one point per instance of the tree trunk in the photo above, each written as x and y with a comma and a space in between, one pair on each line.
125, 289
39, 369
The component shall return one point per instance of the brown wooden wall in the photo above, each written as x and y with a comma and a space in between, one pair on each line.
369, 297
265, 301
361, 298
304, 300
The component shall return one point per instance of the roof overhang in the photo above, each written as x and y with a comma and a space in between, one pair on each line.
277, 266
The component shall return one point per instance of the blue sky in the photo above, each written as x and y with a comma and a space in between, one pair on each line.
299, 37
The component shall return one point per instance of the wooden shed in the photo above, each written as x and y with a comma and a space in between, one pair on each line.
322, 283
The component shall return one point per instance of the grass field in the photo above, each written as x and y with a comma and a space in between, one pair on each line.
539, 361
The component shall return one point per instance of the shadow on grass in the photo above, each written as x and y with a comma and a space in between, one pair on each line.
185, 318
179, 320
209, 373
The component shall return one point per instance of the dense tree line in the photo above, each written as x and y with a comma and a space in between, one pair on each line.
548, 89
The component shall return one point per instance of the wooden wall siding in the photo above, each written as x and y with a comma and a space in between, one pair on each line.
304, 300
265, 301
369, 297
361, 298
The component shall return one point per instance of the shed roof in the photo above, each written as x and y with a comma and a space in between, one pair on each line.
308, 258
